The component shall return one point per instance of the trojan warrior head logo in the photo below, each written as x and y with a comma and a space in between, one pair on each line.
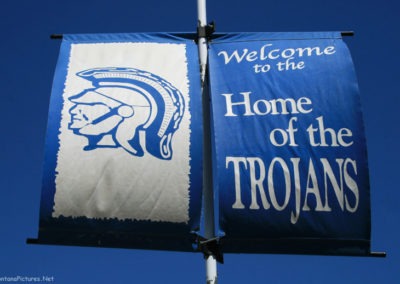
127, 108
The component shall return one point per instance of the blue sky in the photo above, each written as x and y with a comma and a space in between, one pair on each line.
28, 58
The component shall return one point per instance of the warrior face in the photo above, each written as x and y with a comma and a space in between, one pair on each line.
115, 112
83, 114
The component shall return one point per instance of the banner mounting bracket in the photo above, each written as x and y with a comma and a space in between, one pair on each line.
56, 36
347, 33
205, 31
210, 247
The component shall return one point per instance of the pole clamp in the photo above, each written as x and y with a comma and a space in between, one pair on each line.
205, 31
210, 247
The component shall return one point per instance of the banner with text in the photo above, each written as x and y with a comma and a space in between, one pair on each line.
123, 164
290, 168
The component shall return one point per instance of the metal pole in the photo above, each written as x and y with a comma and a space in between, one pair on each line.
209, 226
202, 41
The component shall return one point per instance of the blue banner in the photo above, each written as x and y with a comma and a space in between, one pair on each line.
123, 158
290, 163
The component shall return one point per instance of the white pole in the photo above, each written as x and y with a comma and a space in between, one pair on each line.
211, 263
202, 22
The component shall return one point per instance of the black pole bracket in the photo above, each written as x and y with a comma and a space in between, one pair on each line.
205, 31
210, 247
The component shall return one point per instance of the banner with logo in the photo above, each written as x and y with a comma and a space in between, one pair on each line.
123, 164
290, 163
